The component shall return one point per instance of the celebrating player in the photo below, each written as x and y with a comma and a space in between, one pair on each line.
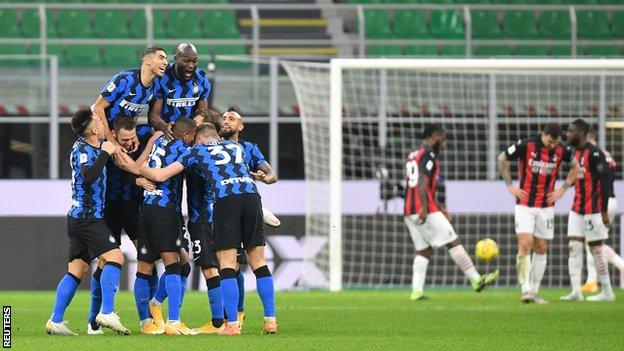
589, 218
237, 219
89, 237
539, 162
428, 221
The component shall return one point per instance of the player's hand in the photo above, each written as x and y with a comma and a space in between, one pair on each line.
145, 184
109, 147
606, 220
260, 175
517, 192
422, 217
157, 134
122, 160
555, 195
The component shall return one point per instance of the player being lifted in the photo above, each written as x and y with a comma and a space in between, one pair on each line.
427, 221
237, 219
589, 219
89, 237
539, 160
591, 284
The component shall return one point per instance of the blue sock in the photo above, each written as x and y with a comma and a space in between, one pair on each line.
141, 295
230, 293
110, 284
185, 271
161, 291
173, 284
96, 295
153, 283
240, 280
183, 280
266, 290
215, 297
65, 291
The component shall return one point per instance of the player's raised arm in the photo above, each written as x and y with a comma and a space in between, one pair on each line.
98, 110
159, 175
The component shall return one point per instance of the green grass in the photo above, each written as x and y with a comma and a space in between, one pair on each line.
450, 320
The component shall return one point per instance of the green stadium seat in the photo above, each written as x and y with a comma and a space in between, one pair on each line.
485, 25
232, 50
10, 27
421, 50
52, 49
561, 51
491, 50
30, 24
541, 51
617, 24
183, 24
74, 24
593, 25
121, 56
581, 2
520, 25
83, 55
603, 51
221, 24
447, 24
13, 49
549, 2
410, 24
138, 24
475, 2
377, 24
612, 2
554, 24
454, 50
111, 24
383, 50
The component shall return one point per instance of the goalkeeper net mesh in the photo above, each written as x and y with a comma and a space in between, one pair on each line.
483, 111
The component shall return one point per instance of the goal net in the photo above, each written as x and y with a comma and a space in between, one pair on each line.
362, 117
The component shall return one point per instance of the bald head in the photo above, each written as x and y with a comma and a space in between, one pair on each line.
185, 61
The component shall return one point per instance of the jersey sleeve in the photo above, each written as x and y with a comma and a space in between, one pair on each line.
188, 158
427, 163
516, 150
159, 91
114, 88
599, 165
206, 88
257, 158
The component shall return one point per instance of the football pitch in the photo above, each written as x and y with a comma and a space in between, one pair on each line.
366, 319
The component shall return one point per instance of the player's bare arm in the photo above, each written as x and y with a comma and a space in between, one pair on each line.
446, 213
202, 105
423, 180
265, 174
505, 172
570, 179
156, 121
160, 175
98, 109
145, 184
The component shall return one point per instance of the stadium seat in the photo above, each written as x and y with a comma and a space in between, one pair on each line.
383, 50
520, 25
83, 55
410, 24
581, 2
561, 51
447, 24
593, 25
74, 24
617, 24
10, 27
485, 25
221, 24
13, 49
121, 56
421, 50
491, 50
603, 51
554, 24
111, 24
183, 24
52, 49
454, 50
30, 24
232, 50
138, 24
377, 24
549, 2
531, 51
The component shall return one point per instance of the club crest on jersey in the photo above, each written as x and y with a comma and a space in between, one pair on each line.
143, 250
111, 239
83, 158
195, 89
150, 96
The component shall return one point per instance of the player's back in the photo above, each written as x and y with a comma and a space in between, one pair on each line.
199, 197
168, 193
87, 199
588, 186
423, 160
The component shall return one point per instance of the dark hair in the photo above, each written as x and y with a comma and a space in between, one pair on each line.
552, 129
206, 128
582, 125
212, 117
592, 134
184, 124
151, 50
124, 122
432, 128
235, 109
81, 120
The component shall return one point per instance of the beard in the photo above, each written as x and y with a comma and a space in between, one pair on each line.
437, 147
226, 134
573, 142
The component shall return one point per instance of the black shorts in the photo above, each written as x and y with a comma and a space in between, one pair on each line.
124, 215
89, 238
204, 253
238, 220
241, 257
159, 231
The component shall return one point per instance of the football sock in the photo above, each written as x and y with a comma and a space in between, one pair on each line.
463, 261
240, 280
575, 264
215, 297
538, 267
161, 291
613, 257
266, 290
96, 295
229, 289
110, 283
141, 295
602, 269
523, 266
173, 285
186, 270
65, 291
591, 266
153, 282
419, 273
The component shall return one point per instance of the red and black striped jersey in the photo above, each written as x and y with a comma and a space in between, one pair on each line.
538, 167
422, 161
611, 171
591, 189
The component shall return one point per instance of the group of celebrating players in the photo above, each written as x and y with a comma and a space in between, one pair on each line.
128, 177
592, 175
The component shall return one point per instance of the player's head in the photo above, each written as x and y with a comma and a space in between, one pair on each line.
85, 124
155, 59
551, 135
184, 129
577, 132
185, 61
592, 137
434, 135
124, 131
206, 133
231, 123
208, 116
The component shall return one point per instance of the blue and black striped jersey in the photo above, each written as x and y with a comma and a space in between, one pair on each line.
180, 98
126, 94
87, 199
199, 197
223, 166
168, 193
253, 155
117, 188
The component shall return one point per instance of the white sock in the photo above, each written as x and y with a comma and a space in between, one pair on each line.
591, 266
575, 265
155, 302
613, 257
463, 261
538, 267
419, 273
523, 266
602, 269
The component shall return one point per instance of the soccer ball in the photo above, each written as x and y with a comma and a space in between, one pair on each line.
486, 250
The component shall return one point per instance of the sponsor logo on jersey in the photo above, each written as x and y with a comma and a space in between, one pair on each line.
157, 192
132, 107
541, 166
182, 102
236, 180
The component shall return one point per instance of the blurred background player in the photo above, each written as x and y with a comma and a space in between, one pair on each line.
428, 221
591, 284
89, 237
539, 161
589, 219
183, 88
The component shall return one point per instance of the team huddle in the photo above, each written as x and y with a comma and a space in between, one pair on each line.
129, 178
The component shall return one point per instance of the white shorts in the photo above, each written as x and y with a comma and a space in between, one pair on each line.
587, 226
535, 220
612, 208
435, 232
